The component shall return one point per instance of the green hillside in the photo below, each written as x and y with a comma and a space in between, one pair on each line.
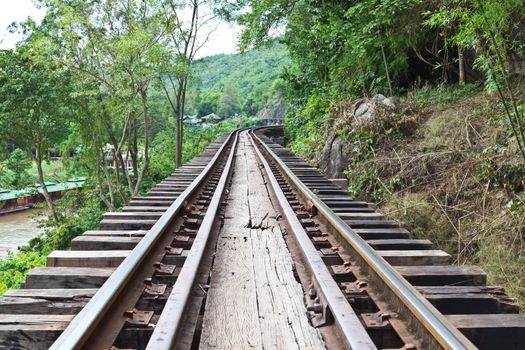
239, 83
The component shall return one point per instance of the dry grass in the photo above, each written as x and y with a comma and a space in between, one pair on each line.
451, 182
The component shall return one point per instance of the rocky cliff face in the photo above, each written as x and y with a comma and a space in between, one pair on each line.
274, 109
336, 155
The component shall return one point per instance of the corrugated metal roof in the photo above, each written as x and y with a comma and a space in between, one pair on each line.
51, 187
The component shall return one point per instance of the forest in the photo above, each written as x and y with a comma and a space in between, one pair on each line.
237, 84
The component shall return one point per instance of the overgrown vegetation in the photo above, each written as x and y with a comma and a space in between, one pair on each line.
456, 178
449, 163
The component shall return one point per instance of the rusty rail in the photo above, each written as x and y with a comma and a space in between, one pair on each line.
85, 322
349, 325
435, 324
165, 333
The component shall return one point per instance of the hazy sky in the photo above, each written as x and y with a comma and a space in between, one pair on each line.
222, 40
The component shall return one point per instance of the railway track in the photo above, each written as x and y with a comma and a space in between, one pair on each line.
169, 271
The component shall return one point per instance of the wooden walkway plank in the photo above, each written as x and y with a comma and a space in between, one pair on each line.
254, 301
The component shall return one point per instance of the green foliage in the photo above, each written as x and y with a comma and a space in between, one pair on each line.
442, 95
305, 126
493, 28
195, 141
337, 50
18, 162
35, 99
243, 82
14, 174
208, 104
229, 101
342, 50
14, 267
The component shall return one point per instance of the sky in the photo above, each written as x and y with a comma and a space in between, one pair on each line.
222, 40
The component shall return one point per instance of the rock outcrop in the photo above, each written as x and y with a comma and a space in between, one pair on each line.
336, 155
364, 111
274, 110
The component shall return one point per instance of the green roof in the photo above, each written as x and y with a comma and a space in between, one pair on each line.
51, 187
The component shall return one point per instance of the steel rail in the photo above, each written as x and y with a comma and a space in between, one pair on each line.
84, 323
431, 319
165, 333
349, 325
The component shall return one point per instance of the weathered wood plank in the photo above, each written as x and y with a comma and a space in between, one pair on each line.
152, 199
254, 300
32, 332
469, 299
51, 294
66, 277
347, 209
14, 305
104, 243
150, 203
505, 331
128, 209
86, 258
115, 233
164, 193
361, 216
357, 224
132, 215
415, 257
128, 224
471, 304
381, 233
399, 244
443, 275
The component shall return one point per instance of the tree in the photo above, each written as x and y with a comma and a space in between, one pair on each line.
494, 30
184, 35
33, 111
116, 49
251, 106
209, 104
229, 101
19, 163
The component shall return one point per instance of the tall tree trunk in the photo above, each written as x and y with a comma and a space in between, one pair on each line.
133, 148
386, 69
118, 156
461, 63
179, 119
110, 204
183, 108
103, 198
120, 190
45, 192
143, 95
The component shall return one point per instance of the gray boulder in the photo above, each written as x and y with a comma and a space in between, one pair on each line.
363, 111
335, 157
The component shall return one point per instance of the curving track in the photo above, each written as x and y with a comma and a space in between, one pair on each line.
218, 256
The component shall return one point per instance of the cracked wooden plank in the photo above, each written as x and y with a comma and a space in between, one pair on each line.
254, 300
